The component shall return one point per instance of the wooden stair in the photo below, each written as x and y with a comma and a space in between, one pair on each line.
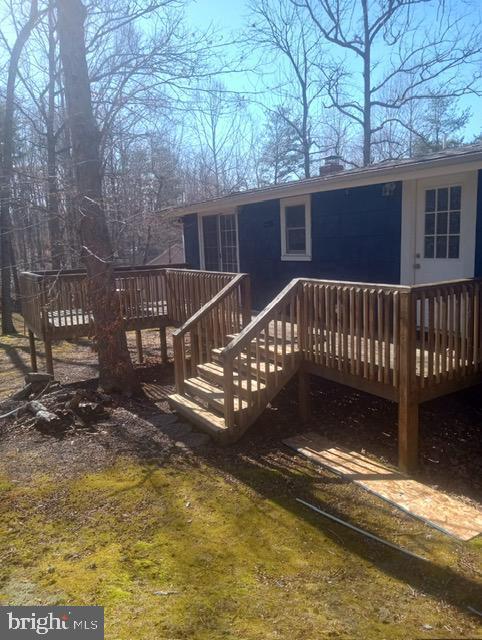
202, 399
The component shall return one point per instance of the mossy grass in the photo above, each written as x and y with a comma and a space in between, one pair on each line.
195, 551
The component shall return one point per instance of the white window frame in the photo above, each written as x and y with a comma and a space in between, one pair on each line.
294, 202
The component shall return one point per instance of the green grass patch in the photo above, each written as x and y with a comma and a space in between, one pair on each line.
191, 552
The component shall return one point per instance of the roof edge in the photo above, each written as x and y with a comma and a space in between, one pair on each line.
418, 169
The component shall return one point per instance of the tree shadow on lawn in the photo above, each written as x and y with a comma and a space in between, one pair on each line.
280, 476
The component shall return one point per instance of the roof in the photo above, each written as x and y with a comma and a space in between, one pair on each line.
172, 255
458, 159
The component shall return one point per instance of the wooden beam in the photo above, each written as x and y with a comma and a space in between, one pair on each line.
49, 361
304, 395
163, 340
140, 352
33, 350
408, 397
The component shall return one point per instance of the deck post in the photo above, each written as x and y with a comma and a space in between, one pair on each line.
304, 399
140, 352
246, 301
408, 399
49, 360
33, 350
163, 340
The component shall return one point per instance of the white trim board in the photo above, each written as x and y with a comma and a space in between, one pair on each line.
380, 175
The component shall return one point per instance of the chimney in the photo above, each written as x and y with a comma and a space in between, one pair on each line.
332, 165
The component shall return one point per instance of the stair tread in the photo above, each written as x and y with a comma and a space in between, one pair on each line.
290, 348
194, 409
215, 369
210, 392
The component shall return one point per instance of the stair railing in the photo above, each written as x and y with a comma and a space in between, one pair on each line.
270, 343
224, 314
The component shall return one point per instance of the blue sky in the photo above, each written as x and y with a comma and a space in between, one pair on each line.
229, 16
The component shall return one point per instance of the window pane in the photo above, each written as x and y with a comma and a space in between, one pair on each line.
454, 226
454, 242
429, 247
455, 197
442, 222
442, 199
441, 247
430, 200
429, 224
295, 216
295, 241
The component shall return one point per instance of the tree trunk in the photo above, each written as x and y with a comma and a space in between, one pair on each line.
116, 370
53, 205
6, 244
367, 91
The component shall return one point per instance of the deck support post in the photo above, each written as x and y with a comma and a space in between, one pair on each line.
163, 340
304, 395
408, 397
33, 350
140, 351
246, 301
49, 360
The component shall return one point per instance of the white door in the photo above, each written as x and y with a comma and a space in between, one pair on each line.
445, 229
219, 242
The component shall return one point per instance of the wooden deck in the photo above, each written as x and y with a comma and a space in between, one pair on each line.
406, 344
55, 305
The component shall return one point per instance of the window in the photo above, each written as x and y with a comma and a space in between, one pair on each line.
442, 222
296, 228
219, 242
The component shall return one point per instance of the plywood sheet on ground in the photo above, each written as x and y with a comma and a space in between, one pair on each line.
437, 509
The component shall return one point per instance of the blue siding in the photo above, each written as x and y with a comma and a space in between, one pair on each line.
356, 235
191, 241
478, 236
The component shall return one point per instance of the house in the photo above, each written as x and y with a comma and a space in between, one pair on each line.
409, 221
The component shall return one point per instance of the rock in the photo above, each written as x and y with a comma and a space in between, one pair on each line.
24, 393
35, 377
35, 406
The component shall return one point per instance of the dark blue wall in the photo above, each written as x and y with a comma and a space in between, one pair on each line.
478, 233
356, 235
191, 241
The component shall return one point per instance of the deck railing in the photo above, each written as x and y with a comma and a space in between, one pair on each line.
404, 343
56, 304
448, 342
226, 313
262, 358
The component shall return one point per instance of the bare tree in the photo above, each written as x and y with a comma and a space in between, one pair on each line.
219, 127
116, 370
287, 41
408, 44
7, 257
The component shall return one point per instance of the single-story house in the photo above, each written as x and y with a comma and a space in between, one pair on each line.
408, 221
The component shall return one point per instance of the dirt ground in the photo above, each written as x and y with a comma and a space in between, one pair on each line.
179, 538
